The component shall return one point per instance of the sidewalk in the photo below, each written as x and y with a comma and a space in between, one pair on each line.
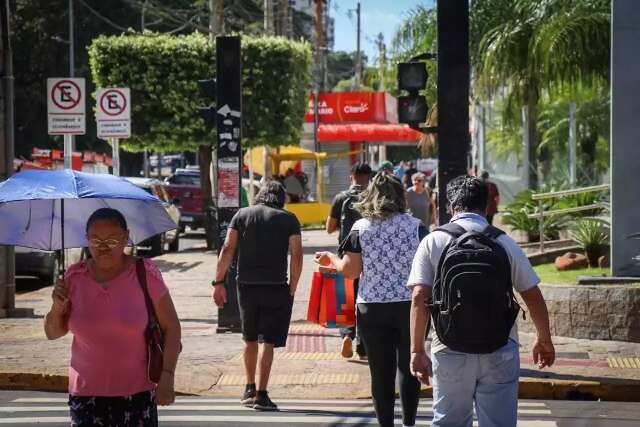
310, 366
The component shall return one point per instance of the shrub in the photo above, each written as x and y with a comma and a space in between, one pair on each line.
593, 235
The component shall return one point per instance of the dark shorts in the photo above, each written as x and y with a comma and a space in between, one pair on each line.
139, 410
265, 311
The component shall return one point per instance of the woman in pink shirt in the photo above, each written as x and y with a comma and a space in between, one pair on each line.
102, 304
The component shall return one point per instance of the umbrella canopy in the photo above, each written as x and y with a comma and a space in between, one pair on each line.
31, 204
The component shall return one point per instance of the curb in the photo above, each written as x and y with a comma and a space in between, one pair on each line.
43, 382
550, 389
530, 388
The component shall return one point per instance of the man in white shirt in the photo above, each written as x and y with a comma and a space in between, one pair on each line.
460, 379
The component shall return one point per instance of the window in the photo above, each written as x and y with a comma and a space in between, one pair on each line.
185, 180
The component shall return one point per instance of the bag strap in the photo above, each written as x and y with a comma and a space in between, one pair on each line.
142, 281
452, 229
492, 232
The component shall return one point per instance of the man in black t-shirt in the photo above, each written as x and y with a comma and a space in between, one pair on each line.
264, 235
342, 217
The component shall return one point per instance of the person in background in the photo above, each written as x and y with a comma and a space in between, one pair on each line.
411, 169
379, 250
100, 301
493, 197
386, 167
264, 235
398, 171
419, 200
341, 218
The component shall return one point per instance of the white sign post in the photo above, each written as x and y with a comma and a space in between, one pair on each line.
66, 111
113, 118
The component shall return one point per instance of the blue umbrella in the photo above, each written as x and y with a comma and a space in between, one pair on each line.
49, 210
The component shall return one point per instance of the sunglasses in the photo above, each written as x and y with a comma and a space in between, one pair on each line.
110, 243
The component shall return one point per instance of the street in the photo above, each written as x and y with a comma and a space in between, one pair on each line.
50, 409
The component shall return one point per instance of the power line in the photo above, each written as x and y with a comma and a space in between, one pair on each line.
102, 17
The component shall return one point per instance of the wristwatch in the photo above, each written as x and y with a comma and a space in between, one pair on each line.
217, 282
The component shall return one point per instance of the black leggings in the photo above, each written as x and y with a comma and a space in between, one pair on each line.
385, 330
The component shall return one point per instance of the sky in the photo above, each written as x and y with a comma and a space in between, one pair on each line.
377, 16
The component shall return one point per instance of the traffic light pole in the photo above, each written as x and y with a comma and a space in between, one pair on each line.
229, 162
7, 255
453, 96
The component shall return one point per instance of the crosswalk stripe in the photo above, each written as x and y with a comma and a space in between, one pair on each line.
190, 400
263, 418
424, 409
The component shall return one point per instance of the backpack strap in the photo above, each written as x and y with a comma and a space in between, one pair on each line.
492, 232
452, 229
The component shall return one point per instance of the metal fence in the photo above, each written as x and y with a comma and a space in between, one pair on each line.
541, 213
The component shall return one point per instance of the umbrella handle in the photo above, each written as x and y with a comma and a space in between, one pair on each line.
62, 257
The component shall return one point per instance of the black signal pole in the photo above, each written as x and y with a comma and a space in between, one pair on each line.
453, 95
229, 158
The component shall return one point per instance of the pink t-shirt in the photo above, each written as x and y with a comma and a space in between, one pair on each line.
108, 354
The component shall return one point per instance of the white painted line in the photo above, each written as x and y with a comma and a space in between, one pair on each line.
424, 409
260, 418
189, 400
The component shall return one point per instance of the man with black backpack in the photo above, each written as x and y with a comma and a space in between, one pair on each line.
341, 218
463, 278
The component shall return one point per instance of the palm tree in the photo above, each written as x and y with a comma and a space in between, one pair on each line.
532, 46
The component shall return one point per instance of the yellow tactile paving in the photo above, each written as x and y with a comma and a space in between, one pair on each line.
311, 328
300, 356
297, 379
624, 362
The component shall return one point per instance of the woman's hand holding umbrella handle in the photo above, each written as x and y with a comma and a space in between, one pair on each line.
55, 322
60, 297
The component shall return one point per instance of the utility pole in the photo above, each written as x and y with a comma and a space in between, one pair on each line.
358, 53
69, 140
382, 61
143, 27
7, 256
317, 73
268, 18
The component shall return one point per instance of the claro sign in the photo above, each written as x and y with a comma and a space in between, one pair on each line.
352, 107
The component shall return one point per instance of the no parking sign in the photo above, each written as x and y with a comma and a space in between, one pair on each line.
66, 106
113, 113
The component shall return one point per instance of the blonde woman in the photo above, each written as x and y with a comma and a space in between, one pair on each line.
379, 251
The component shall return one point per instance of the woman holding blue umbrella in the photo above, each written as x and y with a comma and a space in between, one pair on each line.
100, 302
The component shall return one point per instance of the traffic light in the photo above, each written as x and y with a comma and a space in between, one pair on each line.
209, 92
412, 77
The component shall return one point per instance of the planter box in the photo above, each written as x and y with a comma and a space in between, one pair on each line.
603, 312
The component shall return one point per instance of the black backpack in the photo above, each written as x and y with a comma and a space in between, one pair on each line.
473, 305
348, 214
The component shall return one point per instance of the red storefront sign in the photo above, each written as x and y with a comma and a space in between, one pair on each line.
353, 107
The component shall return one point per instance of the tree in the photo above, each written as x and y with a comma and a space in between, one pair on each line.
341, 65
162, 72
528, 47
40, 33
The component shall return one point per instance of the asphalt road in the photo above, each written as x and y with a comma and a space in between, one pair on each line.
21, 408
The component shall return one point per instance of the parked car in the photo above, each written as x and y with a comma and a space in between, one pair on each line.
37, 263
184, 187
156, 244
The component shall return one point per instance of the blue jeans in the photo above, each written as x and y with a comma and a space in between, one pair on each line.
489, 380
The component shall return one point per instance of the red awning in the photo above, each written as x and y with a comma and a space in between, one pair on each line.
368, 132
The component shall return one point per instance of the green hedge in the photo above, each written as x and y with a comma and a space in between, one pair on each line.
162, 72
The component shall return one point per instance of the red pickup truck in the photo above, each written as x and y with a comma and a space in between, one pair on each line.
184, 187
